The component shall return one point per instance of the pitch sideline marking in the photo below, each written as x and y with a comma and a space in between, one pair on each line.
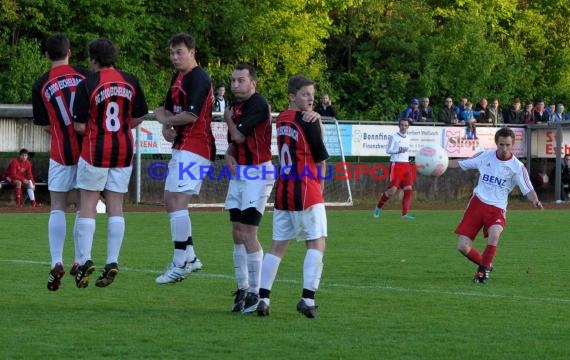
370, 287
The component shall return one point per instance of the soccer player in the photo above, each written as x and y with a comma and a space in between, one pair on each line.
249, 137
499, 172
186, 119
52, 101
18, 174
401, 172
108, 104
299, 204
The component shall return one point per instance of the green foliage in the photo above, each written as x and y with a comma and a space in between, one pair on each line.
372, 56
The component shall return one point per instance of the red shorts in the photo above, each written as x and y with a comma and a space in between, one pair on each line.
400, 175
480, 215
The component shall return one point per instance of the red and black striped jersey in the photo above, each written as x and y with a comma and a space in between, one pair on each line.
53, 95
300, 147
192, 92
253, 119
106, 102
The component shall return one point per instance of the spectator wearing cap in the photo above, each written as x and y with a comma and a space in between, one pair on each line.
412, 112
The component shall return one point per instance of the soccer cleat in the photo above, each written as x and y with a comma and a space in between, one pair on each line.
482, 275
239, 300
408, 217
74, 269
377, 212
193, 266
108, 275
250, 303
308, 311
54, 278
83, 273
263, 309
173, 274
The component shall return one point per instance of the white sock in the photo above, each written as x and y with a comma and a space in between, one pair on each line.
56, 235
240, 265
115, 236
31, 194
190, 253
179, 230
85, 232
312, 270
75, 241
269, 269
254, 270
309, 302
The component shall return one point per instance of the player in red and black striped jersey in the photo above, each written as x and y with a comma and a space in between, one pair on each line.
108, 104
53, 95
186, 119
249, 136
299, 205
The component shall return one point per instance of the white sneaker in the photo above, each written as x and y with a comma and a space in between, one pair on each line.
193, 266
172, 274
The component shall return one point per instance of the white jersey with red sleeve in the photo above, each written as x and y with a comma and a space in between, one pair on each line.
398, 146
497, 178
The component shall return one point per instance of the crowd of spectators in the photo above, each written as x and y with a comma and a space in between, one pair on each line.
468, 113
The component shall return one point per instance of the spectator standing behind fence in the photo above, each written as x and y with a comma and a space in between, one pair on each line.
426, 112
484, 116
51, 106
470, 123
108, 104
540, 113
220, 101
19, 174
186, 119
412, 112
459, 109
447, 113
514, 114
527, 116
325, 107
558, 115
496, 113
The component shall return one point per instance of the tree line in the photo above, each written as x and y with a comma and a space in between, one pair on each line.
371, 56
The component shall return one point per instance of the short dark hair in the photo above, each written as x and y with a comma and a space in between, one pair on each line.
183, 38
57, 47
297, 82
249, 68
405, 119
103, 51
23, 151
505, 132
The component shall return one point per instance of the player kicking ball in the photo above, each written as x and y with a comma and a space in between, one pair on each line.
499, 172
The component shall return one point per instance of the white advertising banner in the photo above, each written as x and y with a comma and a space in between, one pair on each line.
371, 140
544, 143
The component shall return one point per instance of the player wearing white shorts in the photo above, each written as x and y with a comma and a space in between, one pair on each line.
186, 119
51, 109
249, 137
299, 204
108, 104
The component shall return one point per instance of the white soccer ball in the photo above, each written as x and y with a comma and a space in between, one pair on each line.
432, 160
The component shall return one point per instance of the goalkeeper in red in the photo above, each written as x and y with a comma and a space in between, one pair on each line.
499, 172
299, 205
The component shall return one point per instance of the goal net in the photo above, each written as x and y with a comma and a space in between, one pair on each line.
153, 154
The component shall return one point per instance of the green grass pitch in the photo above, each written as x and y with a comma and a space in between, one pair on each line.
391, 289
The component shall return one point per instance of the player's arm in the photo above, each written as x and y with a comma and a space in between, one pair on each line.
231, 161
323, 174
533, 198
235, 134
183, 118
